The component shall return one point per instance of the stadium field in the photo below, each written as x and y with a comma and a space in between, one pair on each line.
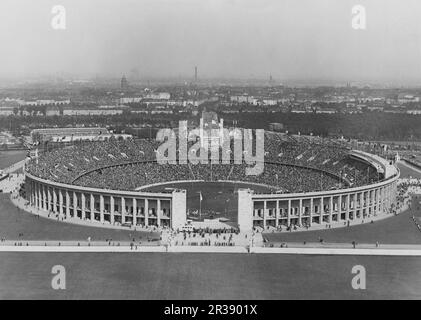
204, 276
219, 199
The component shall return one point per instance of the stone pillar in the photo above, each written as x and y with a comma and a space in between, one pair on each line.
83, 205
340, 207
101, 208
31, 197
134, 211
33, 194
385, 204
355, 205
179, 210
158, 213
264, 214
277, 214
372, 199
289, 213
49, 199
54, 200
311, 210
67, 204
245, 210
380, 201
330, 208
112, 204
74, 205
123, 210
300, 212
366, 201
60, 201
147, 212
92, 205
30, 192
348, 202
40, 199
362, 203
386, 207
44, 198
322, 209
30, 189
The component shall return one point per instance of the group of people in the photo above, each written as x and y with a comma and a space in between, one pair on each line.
281, 177
205, 237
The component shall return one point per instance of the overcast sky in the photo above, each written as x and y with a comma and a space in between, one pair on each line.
291, 39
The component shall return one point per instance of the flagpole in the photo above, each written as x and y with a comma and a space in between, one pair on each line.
200, 205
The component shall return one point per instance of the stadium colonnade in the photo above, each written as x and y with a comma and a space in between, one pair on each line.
322, 207
114, 207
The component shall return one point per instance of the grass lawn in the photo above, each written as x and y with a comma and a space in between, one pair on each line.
206, 276
14, 221
398, 229
7, 158
407, 172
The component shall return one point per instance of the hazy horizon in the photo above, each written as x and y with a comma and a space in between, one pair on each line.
293, 40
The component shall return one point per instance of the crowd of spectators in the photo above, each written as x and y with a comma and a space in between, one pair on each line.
284, 178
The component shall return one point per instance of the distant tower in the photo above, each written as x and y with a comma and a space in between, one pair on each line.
195, 74
124, 83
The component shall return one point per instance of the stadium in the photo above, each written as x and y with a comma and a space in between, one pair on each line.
307, 181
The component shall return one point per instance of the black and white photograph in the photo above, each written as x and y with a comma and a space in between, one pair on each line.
210, 155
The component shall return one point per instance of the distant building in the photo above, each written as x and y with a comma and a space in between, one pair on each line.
130, 100
407, 98
52, 133
124, 83
414, 111
211, 130
158, 96
6, 111
326, 111
52, 111
91, 112
44, 102
270, 102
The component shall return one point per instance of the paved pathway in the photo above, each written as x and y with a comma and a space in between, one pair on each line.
292, 248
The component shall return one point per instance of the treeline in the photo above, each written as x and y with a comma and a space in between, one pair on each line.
365, 126
368, 126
